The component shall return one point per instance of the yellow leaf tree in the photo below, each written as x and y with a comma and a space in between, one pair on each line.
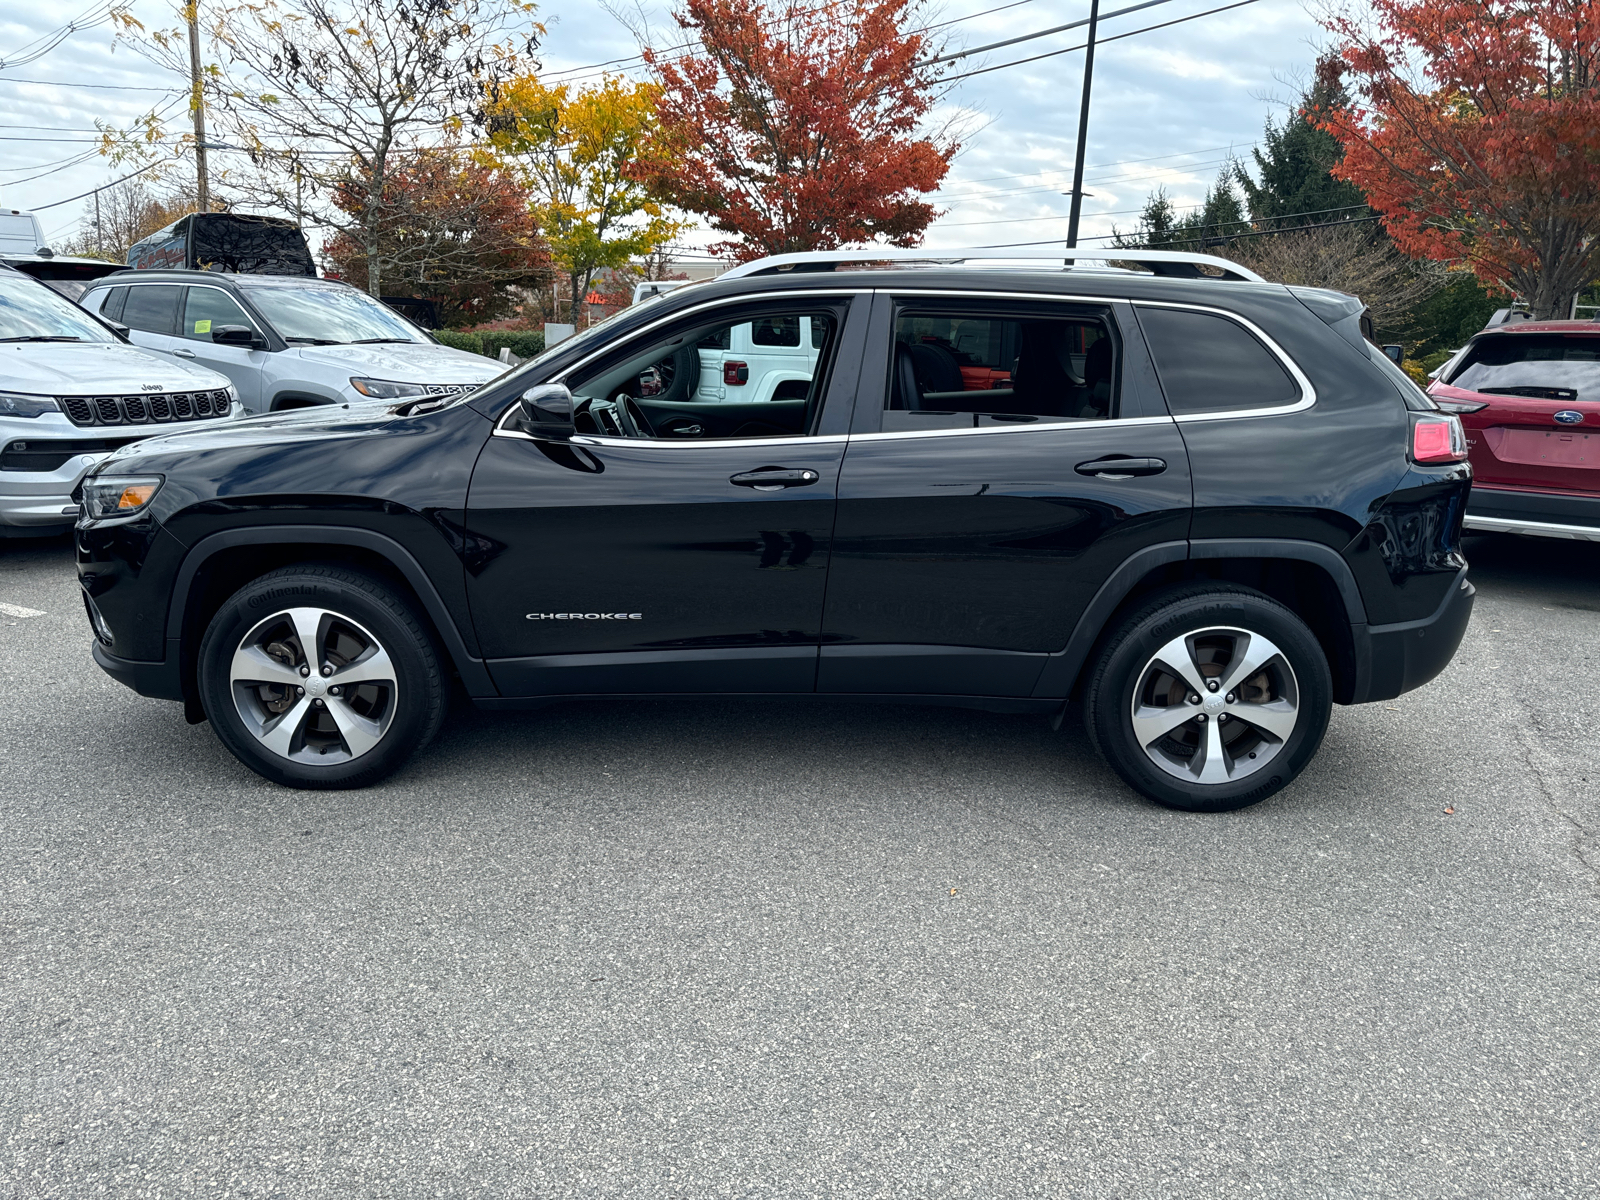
574, 151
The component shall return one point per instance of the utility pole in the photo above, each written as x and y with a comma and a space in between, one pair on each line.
197, 105
1083, 128
99, 233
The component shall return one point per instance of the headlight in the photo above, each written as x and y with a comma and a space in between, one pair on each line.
387, 389
118, 495
13, 405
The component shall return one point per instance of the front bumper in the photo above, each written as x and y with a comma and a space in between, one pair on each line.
158, 680
33, 503
1493, 509
1402, 657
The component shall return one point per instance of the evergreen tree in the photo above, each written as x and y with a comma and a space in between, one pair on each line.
1294, 161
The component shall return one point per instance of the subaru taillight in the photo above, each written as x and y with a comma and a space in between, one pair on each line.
1437, 438
735, 373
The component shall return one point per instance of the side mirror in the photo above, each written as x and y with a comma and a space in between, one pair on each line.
1395, 354
547, 411
236, 335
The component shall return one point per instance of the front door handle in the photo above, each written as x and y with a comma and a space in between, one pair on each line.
774, 479
183, 353
1119, 466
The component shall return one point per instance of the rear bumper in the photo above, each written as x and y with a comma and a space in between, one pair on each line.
158, 680
1404, 656
1542, 514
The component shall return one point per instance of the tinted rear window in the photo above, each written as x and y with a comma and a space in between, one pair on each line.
1208, 363
152, 308
1531, 364
249, 245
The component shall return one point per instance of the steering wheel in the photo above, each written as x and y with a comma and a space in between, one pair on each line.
632, 419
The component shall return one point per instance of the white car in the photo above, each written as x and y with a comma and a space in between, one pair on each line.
70, 393
286, 341
772, 358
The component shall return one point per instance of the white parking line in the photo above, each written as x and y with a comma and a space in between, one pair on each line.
16, 610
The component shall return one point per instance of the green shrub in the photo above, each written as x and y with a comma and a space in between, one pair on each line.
460, 341
522, 343
1437, 359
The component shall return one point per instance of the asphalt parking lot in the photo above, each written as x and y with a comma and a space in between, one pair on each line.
668, 949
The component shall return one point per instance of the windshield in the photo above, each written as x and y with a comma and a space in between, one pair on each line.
1551, 366
30, 310
331, 315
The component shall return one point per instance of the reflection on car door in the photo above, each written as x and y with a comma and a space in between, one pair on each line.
614, 564
206, 309
977, 522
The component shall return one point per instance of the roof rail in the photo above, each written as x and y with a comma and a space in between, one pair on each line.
1177, 263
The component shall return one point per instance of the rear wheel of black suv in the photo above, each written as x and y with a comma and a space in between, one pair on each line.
1208, 698
321, 677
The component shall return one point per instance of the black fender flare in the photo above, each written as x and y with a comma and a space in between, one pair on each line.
1062, 668
474, 675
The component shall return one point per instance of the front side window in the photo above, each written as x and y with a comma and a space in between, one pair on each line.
755, 377
31, 311
1542, 366
330, 316
209, 309
975, 367
1207, 363
151, 307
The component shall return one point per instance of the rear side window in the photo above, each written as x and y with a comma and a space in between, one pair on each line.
1542, 366
151, 308
775, 331
109, 303
1209, 364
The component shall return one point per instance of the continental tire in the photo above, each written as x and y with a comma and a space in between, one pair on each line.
321, 677
1209, 697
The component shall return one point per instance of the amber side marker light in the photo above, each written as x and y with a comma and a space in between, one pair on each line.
135, 495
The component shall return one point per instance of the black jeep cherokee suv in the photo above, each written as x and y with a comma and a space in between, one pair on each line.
1205, 508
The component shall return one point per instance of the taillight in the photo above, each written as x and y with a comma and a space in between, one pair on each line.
1460, 406
1437, 438
735, 373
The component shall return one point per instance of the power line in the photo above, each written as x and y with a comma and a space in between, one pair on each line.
1028, 37
92, 191
1131, 33
114, 87
39, 47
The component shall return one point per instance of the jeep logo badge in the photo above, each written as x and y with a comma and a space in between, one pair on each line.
150, 387
1569, 416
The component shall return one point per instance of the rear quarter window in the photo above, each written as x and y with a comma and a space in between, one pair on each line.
1208, 363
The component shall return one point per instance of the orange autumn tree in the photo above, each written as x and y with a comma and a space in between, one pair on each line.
1475, 132
798, 126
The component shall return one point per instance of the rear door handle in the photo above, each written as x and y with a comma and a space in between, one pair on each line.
774, 479
1119, 467
183, 353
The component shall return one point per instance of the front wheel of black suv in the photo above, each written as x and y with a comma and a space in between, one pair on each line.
321, 677
1209, 697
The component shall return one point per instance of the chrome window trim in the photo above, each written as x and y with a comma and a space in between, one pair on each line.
1308, 393
1066, 423
625, 443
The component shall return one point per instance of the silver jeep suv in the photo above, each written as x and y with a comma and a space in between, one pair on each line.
286, 341
71, 392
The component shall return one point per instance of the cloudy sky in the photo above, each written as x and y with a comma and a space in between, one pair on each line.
1169, 105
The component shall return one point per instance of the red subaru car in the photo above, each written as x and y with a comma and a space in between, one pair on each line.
1529, 397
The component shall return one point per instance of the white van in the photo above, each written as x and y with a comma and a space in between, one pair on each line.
20, 232
71, 392
770, 358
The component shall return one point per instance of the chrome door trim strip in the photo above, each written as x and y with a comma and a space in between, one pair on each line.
1073, 423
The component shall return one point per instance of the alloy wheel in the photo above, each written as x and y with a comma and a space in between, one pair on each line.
1215, 705
313, 686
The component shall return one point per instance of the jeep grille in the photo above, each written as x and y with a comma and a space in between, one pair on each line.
144, 410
